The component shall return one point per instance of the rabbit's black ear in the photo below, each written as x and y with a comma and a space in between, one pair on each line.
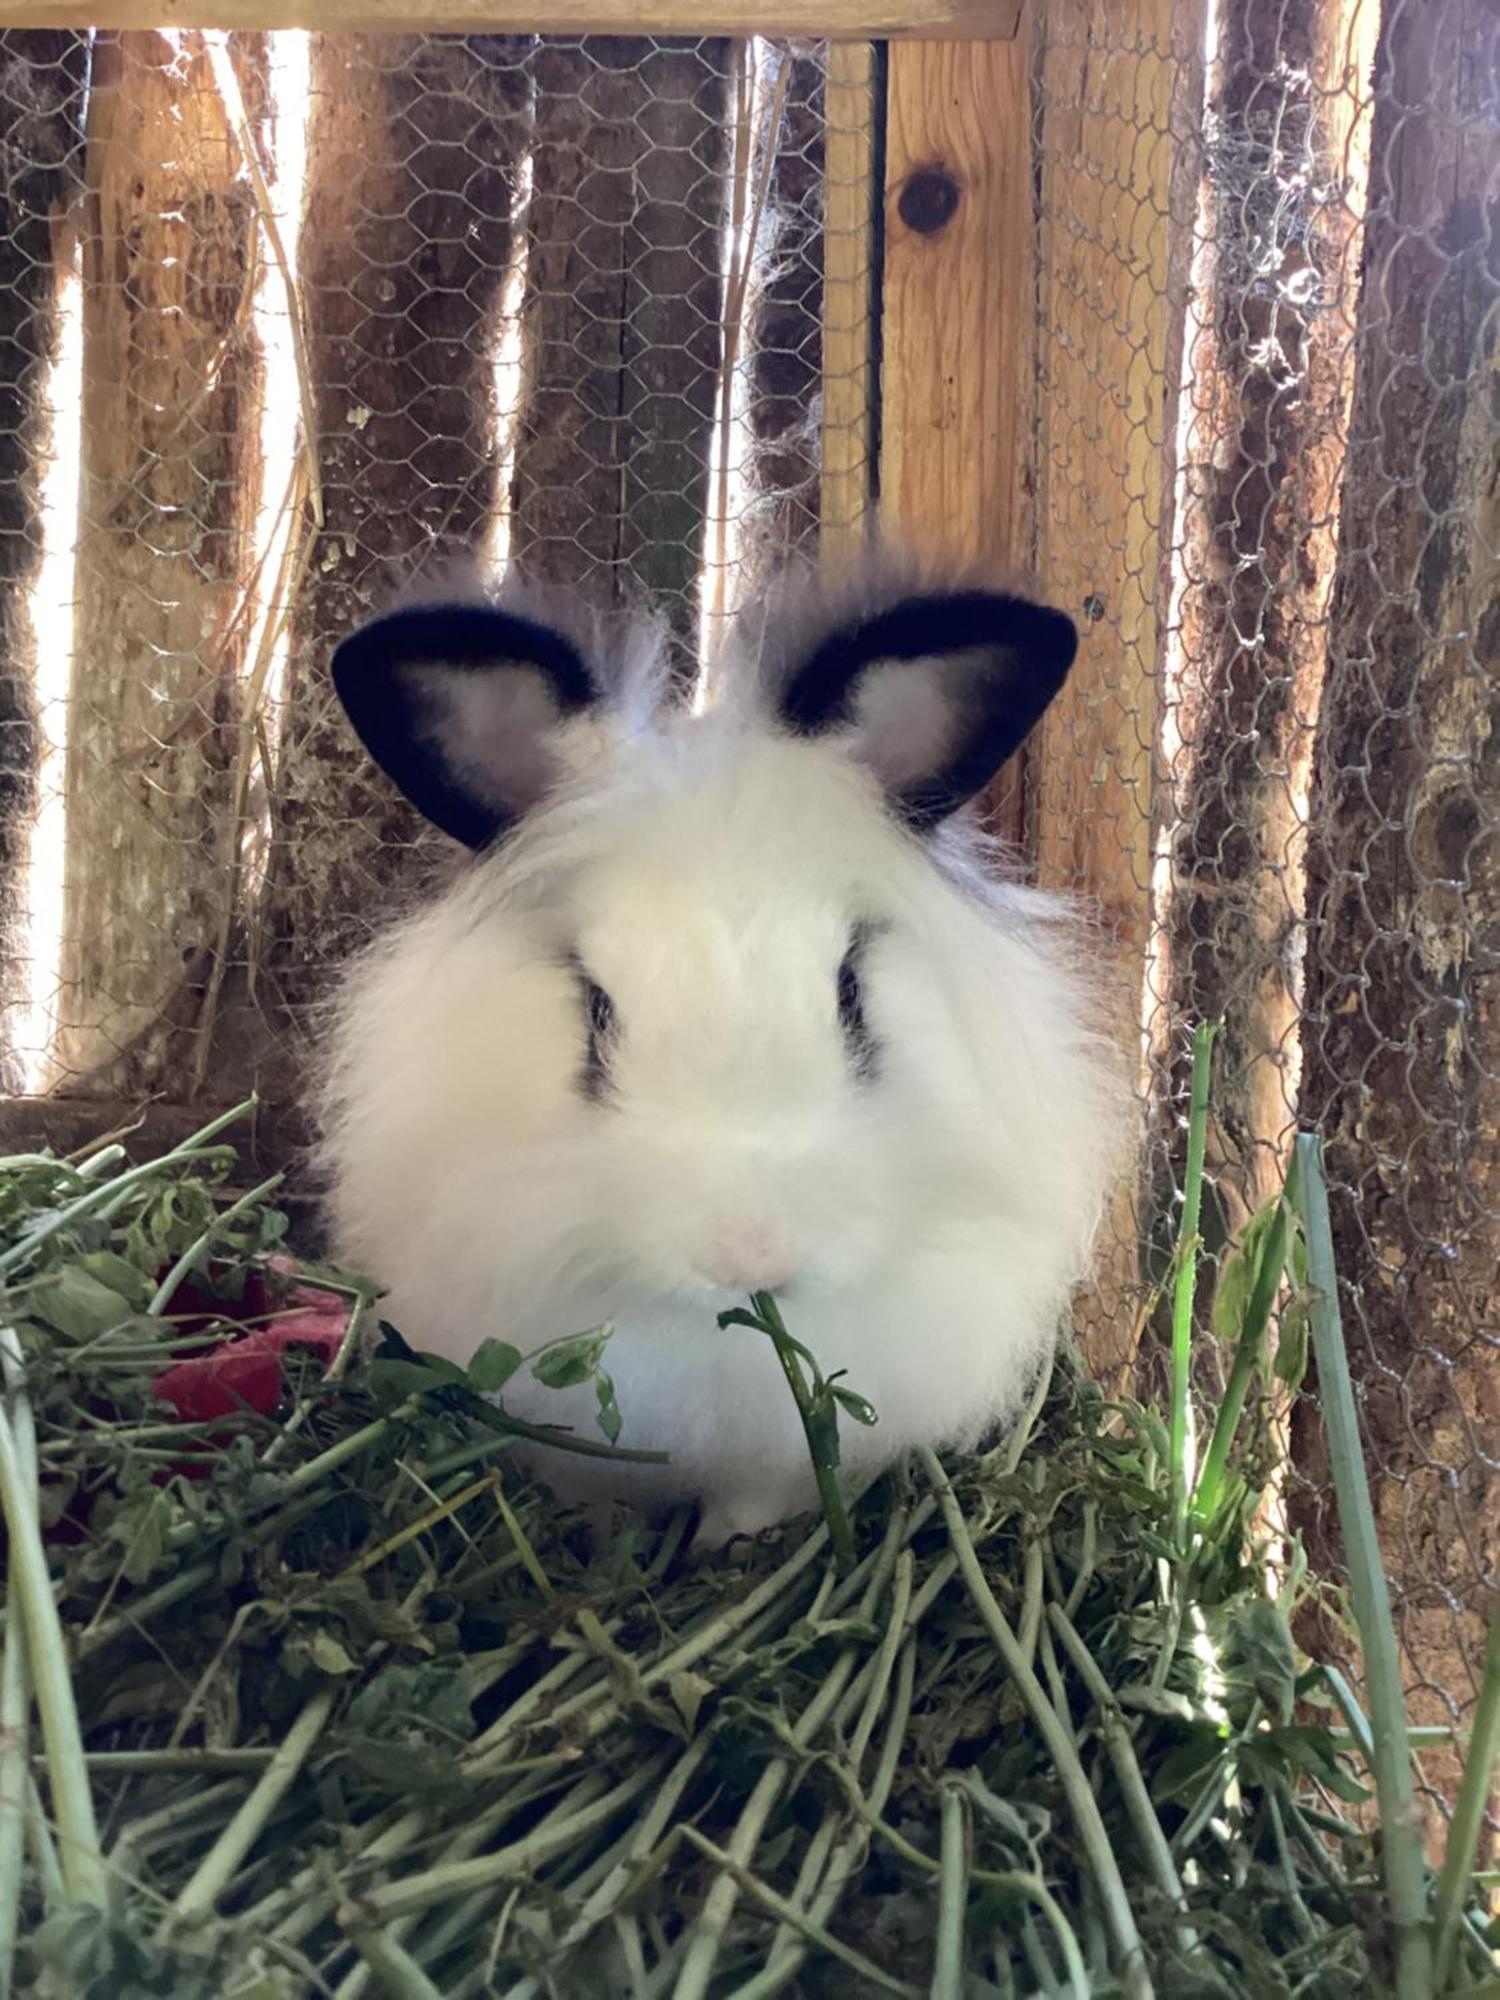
935, 691
459, 704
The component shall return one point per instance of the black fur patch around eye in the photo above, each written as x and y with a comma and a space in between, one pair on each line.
599, 1020
863, 1050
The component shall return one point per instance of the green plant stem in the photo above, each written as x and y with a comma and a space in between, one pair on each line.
707, 1934
399, 1974
954, 1839
1248, 1354
1071, 1774
161, 1298
1185, 1292
46, 1648
1455, 1883
1401, 1838
1118, 1744
440, 1884
780, 1908
766, 1315
108, 1195
15, 1781
218, 1866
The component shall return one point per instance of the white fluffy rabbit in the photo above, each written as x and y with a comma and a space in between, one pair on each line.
726, 1002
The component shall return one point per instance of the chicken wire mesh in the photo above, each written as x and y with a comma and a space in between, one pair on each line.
299, 320
1268, 468
288, 320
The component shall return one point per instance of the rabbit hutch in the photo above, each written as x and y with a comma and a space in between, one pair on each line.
1190, 309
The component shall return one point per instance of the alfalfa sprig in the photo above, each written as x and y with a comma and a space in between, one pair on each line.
819, 1399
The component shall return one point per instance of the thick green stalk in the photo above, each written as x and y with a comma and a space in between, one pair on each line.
1401, 1837
31, 1587
953, 1894
1187, 1276
1456, 1883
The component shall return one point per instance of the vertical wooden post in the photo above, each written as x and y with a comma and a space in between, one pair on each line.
1110, 322
412, 151
1272, 369
1402, 1017
958, 321
170, 379
41, 110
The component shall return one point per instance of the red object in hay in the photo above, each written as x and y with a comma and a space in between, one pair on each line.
246, 1370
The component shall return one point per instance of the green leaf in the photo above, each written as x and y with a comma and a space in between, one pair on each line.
1261, 1649
566, 1363
495, 1361
609, 1410
413, 1378
76, 1304
687, 1691
330, 1655
119, 1275
1240, 1272
1167, 1702
856, 1406
1290, 1365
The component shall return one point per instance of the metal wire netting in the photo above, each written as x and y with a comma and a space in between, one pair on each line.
289, 320
298, 320
1270, 285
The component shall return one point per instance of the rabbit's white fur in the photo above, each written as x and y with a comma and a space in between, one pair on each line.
924, 1229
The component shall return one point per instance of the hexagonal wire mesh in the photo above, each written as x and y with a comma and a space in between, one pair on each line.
588, 304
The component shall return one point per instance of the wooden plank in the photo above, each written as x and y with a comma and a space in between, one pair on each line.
828, 20
1110, 320
41, 114
849, 252
958, 325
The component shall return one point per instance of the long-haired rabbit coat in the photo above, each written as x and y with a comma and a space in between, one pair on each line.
726, 1003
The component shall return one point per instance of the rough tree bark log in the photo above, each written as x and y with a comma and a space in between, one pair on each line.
41, 169
621, 316
412, 152
1403, 1002
170, 379
1272, 372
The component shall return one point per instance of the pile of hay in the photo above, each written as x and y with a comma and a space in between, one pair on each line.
305, 1690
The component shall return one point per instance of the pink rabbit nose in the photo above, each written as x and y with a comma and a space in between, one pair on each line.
749, 1262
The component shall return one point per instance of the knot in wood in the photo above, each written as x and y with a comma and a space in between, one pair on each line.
928, 200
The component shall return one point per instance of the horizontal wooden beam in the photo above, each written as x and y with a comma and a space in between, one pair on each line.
823, 20
266, 1141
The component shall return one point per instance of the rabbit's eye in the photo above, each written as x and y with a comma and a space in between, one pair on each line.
599, 1019
858, 1040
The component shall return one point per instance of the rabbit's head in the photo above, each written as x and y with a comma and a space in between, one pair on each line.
724, 1003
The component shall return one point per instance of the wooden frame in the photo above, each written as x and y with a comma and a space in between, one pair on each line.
821, 20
